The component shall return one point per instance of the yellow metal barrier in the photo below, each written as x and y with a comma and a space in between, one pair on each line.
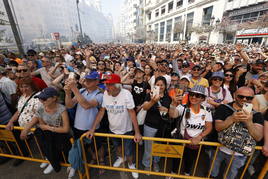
7, 139
162, 147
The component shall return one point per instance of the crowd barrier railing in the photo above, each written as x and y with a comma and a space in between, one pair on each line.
167, 149
10, 147
161, 147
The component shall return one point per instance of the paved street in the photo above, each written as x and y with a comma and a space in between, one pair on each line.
31, 170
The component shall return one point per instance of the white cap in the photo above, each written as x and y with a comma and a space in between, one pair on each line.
185, 77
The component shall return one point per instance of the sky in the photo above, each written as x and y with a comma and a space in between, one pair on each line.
113, 7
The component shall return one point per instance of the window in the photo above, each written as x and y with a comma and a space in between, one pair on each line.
179, 3
207, 14
189, 24
149, 16
162, 30
170, 6
168, 30
190, 1
156, 26
157, 13
163, 10
178, 28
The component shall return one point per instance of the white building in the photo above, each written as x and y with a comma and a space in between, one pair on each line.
194, 20
37, 19
246, 13
131, 20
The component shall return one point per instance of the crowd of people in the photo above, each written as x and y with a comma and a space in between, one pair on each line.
193, 92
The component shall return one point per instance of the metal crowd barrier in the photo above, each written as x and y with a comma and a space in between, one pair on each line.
161, 147
165, 148
9, 147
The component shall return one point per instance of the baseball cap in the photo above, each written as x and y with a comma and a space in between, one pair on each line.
93, 75
199, 89
259, 61
185, 64
138, 69
47, 93
185, 77
218, 74
112, 78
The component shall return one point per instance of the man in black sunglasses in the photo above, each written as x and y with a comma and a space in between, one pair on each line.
225, 116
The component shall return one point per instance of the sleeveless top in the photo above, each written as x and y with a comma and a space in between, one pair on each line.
262, 101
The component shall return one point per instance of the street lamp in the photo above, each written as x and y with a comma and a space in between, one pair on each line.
79, 20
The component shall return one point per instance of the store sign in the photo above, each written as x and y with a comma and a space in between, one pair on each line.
253, 32
55, 36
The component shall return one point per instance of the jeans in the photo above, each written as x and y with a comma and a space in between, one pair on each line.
128, 144
148, 132
237, 163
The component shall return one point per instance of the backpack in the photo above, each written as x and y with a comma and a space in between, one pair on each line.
237, 138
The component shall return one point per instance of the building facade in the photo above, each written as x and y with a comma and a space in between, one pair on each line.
37, 19
132, 23
248, 21
211, 21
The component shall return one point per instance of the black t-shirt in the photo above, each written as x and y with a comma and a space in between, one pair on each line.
265, 116
223, 112
139, 92
153, 118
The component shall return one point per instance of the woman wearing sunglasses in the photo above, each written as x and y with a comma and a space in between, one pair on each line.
53, 130
229, 82
216, 93
195, 125
27, 107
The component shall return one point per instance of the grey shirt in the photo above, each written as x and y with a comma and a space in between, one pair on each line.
55, 119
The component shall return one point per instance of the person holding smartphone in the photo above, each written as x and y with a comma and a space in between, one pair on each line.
157, 105
225, 116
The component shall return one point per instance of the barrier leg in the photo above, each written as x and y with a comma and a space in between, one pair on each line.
264, 170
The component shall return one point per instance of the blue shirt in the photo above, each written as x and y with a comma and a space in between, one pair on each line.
39, 64
84, 118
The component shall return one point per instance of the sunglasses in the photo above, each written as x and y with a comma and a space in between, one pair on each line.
101, 64
23, 70
217, 79
230, 75
248, 98
184, 66
196, 69
191, 94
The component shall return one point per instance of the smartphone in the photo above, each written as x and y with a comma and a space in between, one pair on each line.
247, 107
156, 90
71, 75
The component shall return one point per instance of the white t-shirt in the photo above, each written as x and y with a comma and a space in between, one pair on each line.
152, 80
44, 75
117, 110
196, 123
219, 95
